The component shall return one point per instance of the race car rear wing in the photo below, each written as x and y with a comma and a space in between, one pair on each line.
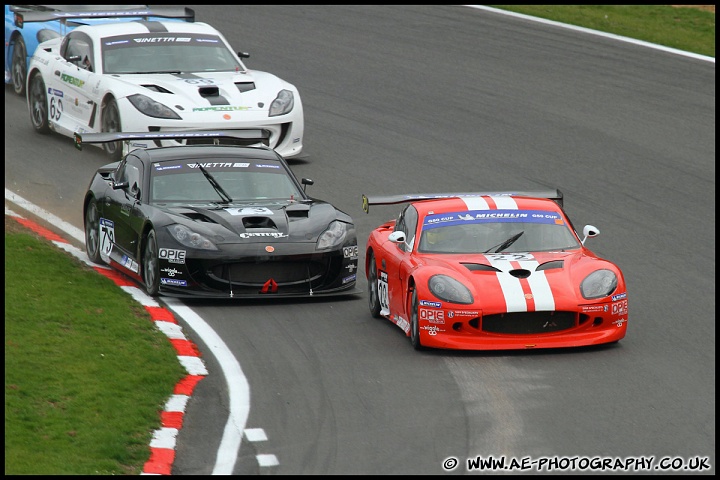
257, 136
555, 195
161, 11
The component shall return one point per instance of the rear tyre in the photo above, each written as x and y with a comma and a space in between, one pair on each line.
37, 100
151, 264
415, 323
374, 300
19, 66
92, 232
111, 123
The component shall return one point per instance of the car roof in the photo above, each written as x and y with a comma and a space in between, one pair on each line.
128, 28
211, 152
457, 204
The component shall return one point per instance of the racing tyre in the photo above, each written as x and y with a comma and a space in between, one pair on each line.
374, 301
111, 123
151, 264
37, 100
92, 232
415, 323
19, 66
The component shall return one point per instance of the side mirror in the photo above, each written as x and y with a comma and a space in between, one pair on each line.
120, 185
589, 231
397, 237
305, 182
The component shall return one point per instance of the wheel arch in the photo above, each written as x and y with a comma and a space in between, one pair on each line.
369, 252
143, 239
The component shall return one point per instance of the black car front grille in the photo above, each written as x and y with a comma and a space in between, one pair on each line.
529, 322
257, 274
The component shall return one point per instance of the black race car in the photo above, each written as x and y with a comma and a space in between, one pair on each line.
225, 220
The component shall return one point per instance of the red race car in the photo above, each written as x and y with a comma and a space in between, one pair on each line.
492, 271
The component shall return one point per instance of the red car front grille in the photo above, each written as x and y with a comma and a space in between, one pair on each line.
529, 322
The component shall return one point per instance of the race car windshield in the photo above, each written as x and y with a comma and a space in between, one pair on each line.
466, 234
242, 182
218, 188
167, 52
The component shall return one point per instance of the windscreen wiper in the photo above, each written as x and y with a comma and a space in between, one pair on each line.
220, 190
506, 243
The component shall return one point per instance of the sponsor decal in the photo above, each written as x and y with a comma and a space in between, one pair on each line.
263, 234
173, 281
402, 323
172, 255
594, 308
72, 80
211, 165
55, 92
351, 267
619, 322
171, 272
265, 165
161, 40
160, 168
129, 263
492, 216
223, 108
431, 315
269, 249
351, 278
464, 313
620, 308
432, 329
428, 303
619, 296
350, 252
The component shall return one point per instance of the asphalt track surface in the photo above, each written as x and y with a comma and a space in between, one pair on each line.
407, 99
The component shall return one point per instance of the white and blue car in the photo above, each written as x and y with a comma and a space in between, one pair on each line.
157, 77
26, 26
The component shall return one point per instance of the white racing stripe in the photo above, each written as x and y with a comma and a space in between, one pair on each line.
511, 287
505, 202
475, 203
540, 287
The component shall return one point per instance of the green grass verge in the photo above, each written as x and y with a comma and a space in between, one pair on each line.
683, 28
87, 372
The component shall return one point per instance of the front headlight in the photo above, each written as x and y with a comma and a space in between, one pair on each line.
189, 238
600, 283
282, 104
151, 108
448, 289
333, 236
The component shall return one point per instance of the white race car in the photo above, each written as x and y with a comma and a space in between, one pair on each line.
158, 76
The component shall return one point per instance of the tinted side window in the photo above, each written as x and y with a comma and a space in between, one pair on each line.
407, 223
